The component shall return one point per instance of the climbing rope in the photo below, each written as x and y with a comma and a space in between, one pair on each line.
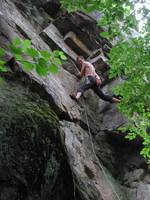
98, 161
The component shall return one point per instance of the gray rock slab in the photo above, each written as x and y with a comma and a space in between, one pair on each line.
86, 168
143, 192
12, 14
53, 33
75, 43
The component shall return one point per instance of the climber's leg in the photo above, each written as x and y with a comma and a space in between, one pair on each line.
86, 85
105, 97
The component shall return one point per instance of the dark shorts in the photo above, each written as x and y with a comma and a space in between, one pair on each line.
90, 83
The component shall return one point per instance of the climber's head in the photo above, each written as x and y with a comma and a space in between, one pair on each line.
80, 59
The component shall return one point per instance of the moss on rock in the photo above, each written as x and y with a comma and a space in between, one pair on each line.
30, 146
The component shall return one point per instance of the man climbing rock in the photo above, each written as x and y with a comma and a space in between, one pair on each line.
92, 80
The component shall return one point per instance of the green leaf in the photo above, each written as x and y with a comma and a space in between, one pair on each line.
3, 69
2, 52
2, 62
42, 62
63, 57
32, 52
26, 44
18, 57
57, 61
16, 41
91, 8
45, 54
53, 68
42, 71
104, 34
56, 53
61, 52
27, 65
15, 50
102, 21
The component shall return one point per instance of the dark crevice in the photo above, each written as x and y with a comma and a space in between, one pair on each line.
65, 116
22, 32
82, 124
49, 41
52, 8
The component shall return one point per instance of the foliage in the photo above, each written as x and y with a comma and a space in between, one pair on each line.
131, 60
42, 61
114, 14
128, 58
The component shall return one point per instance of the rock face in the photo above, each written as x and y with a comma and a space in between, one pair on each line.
32, 161
50, 146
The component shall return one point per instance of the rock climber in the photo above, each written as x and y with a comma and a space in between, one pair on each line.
92, 80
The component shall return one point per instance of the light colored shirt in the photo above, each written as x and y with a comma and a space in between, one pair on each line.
88, 70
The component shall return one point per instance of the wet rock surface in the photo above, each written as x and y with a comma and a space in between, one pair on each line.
86, 158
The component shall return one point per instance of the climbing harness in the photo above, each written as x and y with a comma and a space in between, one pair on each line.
98, 161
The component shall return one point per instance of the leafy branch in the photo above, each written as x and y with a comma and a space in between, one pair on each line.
131, 60
115, 15
31, 59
